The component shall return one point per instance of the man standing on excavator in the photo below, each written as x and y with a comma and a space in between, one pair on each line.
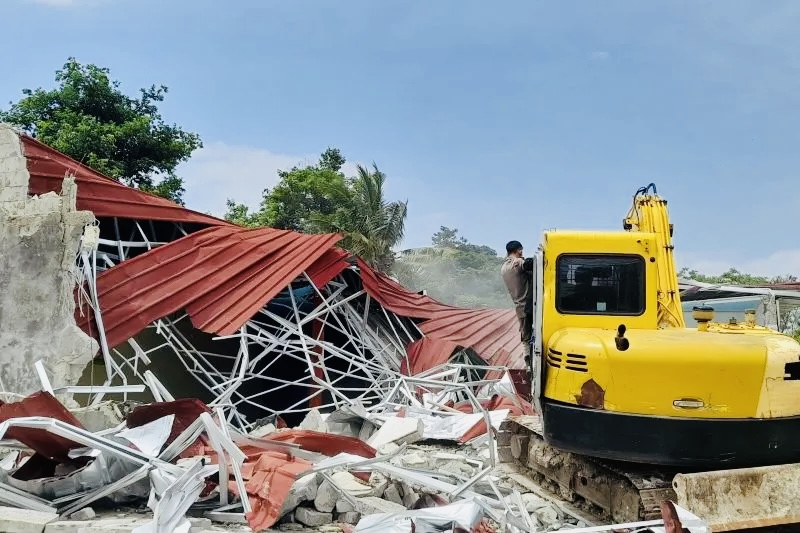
516, 272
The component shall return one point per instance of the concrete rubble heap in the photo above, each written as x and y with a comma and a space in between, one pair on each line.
395, 452
328, 474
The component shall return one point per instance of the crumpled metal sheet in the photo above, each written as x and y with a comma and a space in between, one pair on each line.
463, 515
324, 443
516, 407
99, 472
101, 469
46, 444
269, 477
185, 410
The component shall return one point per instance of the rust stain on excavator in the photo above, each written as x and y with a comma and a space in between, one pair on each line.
592, 395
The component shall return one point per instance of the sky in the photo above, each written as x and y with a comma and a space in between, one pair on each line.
500, 119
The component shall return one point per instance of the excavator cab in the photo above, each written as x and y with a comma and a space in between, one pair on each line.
617, 375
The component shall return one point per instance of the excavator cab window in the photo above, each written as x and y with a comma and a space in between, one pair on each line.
600, 284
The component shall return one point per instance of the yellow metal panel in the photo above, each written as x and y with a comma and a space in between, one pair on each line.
724, 372
557, 243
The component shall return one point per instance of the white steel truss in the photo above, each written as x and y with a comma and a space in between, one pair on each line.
350, 348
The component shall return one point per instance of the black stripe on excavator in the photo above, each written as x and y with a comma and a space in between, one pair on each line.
686, 443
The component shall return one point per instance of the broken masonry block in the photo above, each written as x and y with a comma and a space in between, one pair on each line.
312, 517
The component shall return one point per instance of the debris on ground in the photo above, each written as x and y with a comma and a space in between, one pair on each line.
419, 467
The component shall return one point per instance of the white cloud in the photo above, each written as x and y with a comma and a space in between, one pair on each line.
599, 55
775, 264
220, 171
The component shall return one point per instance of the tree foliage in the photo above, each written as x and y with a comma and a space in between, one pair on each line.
319, 198
302, 195
734, 277
454, 271
88, 118
371, 225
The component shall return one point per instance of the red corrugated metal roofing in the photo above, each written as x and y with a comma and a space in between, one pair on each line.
327, 267
46, 444
427, 353
221, 276
397, 298
269, 475
100, 194
492, 333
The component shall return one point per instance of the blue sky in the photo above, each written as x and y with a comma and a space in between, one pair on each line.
500, 121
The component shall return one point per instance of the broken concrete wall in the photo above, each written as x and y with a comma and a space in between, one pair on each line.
39, 241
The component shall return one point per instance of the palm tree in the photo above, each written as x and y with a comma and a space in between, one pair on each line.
371, 226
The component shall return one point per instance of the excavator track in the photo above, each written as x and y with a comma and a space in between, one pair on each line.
621, 492
728, 500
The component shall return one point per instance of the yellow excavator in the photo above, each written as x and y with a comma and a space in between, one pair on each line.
617, 375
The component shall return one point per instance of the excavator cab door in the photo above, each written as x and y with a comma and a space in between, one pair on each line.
537, 368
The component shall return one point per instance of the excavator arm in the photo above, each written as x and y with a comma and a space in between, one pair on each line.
649, 214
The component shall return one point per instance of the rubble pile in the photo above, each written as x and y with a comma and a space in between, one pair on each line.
359, 469
392, 468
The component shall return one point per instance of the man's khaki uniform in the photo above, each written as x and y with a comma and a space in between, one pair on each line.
518, 283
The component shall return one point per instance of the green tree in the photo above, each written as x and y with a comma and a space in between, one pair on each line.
301, 197
88, 118
371, 225
319, 198
447, 238
734, 277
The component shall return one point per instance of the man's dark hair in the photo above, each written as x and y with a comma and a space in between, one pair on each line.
513, 246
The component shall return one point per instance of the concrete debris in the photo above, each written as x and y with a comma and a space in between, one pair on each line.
327, 496
166, 455
351, 484
314, 422
24, 520
87, 513
313, 517
303, 490
397, 431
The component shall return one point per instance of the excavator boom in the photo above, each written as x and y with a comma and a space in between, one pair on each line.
649, 214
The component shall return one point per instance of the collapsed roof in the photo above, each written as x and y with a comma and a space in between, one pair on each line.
221, 275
